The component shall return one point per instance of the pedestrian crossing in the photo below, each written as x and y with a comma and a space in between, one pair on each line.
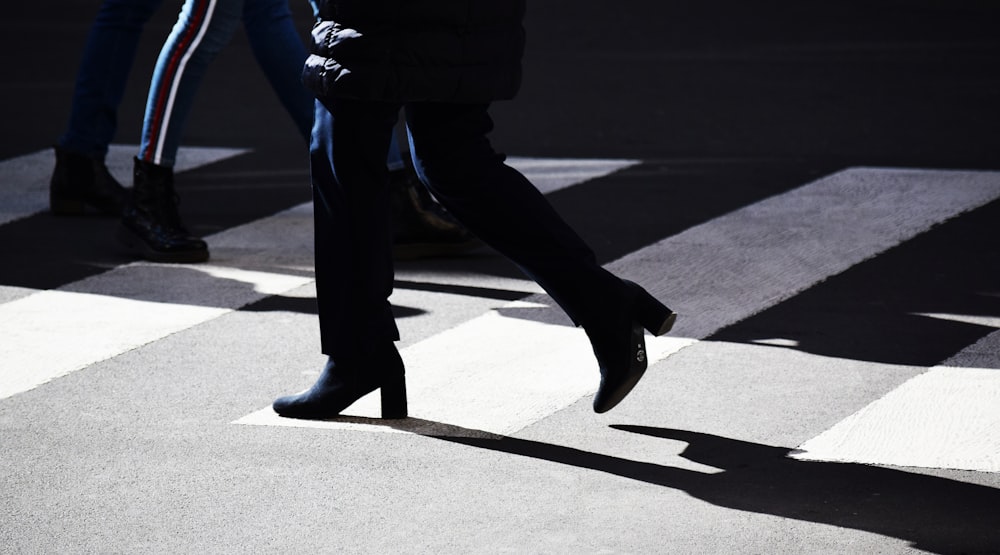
944, 418
24, 189
138, 303
510, 364
715, 275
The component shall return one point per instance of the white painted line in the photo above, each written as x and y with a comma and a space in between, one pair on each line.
727, 269
48, 334
974, 319
945, 418
51, 333
120, 159
493, 374
552, 174
24, 181
714, 274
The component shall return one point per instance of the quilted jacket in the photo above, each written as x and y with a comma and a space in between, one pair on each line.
417, 50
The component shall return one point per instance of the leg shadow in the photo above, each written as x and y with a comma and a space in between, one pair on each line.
933, 514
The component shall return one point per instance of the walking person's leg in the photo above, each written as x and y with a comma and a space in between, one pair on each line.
81, 176
354, 271
203, 29
452, 153
104, 69
280, 53
354, 268
151, 224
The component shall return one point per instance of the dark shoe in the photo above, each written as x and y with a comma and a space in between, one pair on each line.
620, 346
79, 181
341, 384
422, 228
151, 223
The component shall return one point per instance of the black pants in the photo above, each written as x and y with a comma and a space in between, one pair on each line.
354, 270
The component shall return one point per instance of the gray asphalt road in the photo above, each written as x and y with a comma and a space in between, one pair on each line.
813, 189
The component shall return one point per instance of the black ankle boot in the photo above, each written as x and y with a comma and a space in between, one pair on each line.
79, 181
422, 227
620, 345
151, 224
342, 383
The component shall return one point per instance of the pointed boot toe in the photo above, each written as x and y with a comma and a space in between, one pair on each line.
622, 362
620, 346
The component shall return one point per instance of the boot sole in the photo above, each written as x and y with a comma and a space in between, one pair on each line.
138, 246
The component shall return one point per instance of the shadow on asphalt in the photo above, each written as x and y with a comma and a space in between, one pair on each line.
307, 305
933, 514
916, 304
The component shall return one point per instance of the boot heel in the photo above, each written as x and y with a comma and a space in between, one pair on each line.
393, 394
651, 313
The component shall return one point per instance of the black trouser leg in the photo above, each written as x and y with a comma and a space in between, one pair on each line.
498, 204
354, 272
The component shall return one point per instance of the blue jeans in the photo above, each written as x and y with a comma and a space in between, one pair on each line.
104, 69
452, 155
110, 50
202, 30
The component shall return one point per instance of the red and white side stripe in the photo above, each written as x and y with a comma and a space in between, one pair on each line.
166, 91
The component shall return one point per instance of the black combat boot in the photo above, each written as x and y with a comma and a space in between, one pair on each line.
421, 227
79, 181
151, 225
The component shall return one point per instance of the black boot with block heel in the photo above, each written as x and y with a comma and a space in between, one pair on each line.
620, 346
344, 382
79, 182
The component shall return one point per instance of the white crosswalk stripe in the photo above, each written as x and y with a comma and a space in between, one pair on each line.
497, 373
24, 189
129, 306
720, 273
947, 417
